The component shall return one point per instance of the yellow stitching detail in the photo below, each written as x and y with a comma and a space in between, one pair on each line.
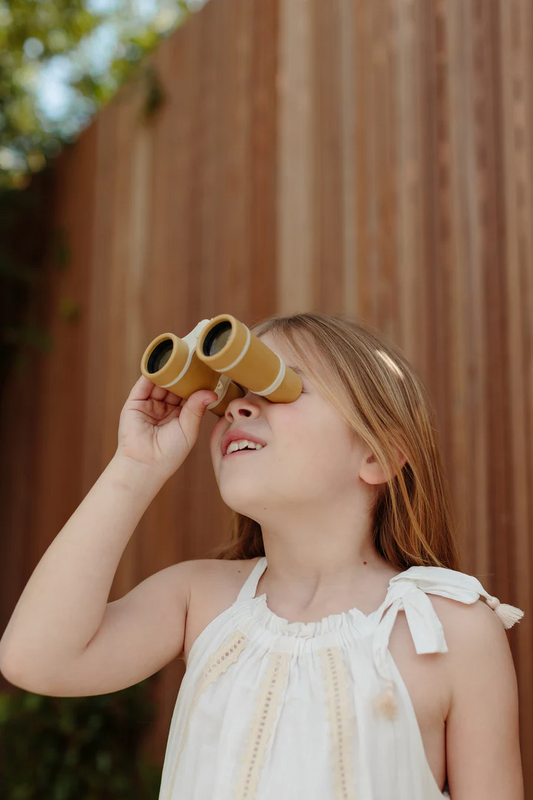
262, 724
339, 712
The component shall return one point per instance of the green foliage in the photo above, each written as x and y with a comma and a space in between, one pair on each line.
76, 748
69, 310
154, 94
32, 33
51, 27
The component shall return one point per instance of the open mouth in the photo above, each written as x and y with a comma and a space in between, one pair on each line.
240, 452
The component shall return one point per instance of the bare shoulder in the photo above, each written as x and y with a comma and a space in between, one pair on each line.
477, 642
214, 586
219, 573
468, 625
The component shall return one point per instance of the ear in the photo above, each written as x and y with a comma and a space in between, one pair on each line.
372, 472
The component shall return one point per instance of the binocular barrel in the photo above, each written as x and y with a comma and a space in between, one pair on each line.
213, 355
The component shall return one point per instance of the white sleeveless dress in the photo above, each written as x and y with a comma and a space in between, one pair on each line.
272, 710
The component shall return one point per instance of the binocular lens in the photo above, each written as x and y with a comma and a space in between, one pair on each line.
216, 339
159, 356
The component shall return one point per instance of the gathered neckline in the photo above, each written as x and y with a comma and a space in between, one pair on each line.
327, 624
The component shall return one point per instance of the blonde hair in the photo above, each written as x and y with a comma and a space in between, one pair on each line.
377, 392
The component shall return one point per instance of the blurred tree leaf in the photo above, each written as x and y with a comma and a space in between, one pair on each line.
26, 41
69, 310
37, 34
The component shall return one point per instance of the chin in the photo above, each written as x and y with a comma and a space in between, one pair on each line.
244, 514
240, 500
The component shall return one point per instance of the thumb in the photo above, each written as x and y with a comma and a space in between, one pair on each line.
193, 411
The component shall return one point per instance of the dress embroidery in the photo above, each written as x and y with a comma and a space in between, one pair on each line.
339, 713
227, 654
263, 724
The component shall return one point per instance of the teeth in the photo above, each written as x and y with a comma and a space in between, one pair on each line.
240, 444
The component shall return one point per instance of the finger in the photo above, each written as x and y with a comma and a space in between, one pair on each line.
142, 390
172, 399
158, 393
145, 389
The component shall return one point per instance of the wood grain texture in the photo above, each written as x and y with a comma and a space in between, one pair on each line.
374, 159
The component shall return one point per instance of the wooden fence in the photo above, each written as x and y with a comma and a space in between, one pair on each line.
373, 158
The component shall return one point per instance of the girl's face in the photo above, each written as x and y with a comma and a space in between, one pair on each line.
311, 461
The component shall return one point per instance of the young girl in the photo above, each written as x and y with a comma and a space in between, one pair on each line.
333, 649
355, 657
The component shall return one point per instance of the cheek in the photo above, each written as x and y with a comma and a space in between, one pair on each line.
215, 435
288, 424
313, 442
215, 430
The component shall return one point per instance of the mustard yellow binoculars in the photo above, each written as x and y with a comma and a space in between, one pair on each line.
219, 354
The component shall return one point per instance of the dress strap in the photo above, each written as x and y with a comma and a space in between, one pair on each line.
408, 591
458, 586
250, 585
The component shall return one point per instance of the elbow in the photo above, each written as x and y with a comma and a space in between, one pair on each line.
23, 679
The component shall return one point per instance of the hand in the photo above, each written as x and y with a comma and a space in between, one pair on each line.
159, 429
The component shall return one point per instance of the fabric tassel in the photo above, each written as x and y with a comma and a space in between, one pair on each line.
385, 701
508, 614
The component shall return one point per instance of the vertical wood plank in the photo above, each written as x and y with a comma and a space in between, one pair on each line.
517, 189
295, 168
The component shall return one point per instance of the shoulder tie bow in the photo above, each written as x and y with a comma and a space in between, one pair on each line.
407, 591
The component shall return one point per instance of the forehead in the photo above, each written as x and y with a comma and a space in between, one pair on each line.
281, 348
285, 352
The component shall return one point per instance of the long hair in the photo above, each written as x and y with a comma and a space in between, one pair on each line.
384, 402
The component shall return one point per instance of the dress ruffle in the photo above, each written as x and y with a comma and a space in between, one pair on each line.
334, 622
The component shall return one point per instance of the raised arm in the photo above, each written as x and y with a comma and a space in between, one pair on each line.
45, 647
